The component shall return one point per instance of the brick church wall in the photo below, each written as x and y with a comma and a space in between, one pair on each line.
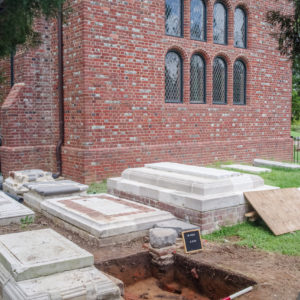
115, 113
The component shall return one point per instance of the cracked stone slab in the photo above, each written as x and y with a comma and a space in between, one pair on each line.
31, 254
162, 237
11, 211
271, 163
246, 168
105, 215
14, 184
41, 191
85, 283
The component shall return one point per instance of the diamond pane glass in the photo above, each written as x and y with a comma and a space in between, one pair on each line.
219, 81
239, 83
240, 28
198, 19
173, 75
197, 79
173, 17
220, 24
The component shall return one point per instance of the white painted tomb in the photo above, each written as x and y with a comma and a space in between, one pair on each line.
104, 215
245, 168
41, 191
187, 190
42, 264
11, 211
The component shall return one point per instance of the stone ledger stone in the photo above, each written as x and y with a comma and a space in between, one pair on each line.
271, 163
246, 168
31, 254
104, 215
162, 237
11, 211
44, 265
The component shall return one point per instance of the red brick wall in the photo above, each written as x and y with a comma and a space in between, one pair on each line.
117, 117
29, 113
115, 113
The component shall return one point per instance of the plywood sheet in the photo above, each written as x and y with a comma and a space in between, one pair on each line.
280, 209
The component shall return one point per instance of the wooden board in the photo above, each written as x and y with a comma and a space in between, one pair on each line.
280, 209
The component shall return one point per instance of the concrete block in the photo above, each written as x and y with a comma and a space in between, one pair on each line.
192, 170
162, 237
31, 254
271, 163
177, 225
11, 211
246, 168
104, 215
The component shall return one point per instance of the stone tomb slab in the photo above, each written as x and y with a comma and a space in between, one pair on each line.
104, 215
11, 211
40, 191
31, 254
192, 170
14, 184
246, 168
270, 163
86, 283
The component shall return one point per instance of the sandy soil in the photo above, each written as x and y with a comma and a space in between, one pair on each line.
278, 276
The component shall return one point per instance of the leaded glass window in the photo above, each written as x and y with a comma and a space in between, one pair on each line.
239, 82
198, 20
220, 24
173, 77
173, 17
197, 84
219, 81
240, 28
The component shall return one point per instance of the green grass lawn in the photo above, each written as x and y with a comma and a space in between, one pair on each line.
259, 236
295, 133
97, 188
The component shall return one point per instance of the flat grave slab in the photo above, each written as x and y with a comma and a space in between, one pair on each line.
40, 191
271, 163
85, 283
11, 211
104, 215
31, 254
192, 170
246, 168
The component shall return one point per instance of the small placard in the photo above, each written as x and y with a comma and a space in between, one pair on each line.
192, 241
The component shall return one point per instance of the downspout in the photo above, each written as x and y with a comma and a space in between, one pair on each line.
60, 94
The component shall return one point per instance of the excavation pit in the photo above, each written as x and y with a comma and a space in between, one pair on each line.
186, 279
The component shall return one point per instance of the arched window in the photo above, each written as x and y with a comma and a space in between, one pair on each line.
173, 77
197, 84
173, 17
219, 81
220, 24
239, 82
198, 20
240, 28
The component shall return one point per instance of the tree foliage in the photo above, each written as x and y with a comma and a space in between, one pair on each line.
16, 22
287, 33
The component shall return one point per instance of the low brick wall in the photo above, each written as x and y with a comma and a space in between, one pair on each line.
208, 221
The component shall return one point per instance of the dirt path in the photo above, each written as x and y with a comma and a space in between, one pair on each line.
278, 276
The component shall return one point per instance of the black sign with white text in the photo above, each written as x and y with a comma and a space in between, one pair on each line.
192, 241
